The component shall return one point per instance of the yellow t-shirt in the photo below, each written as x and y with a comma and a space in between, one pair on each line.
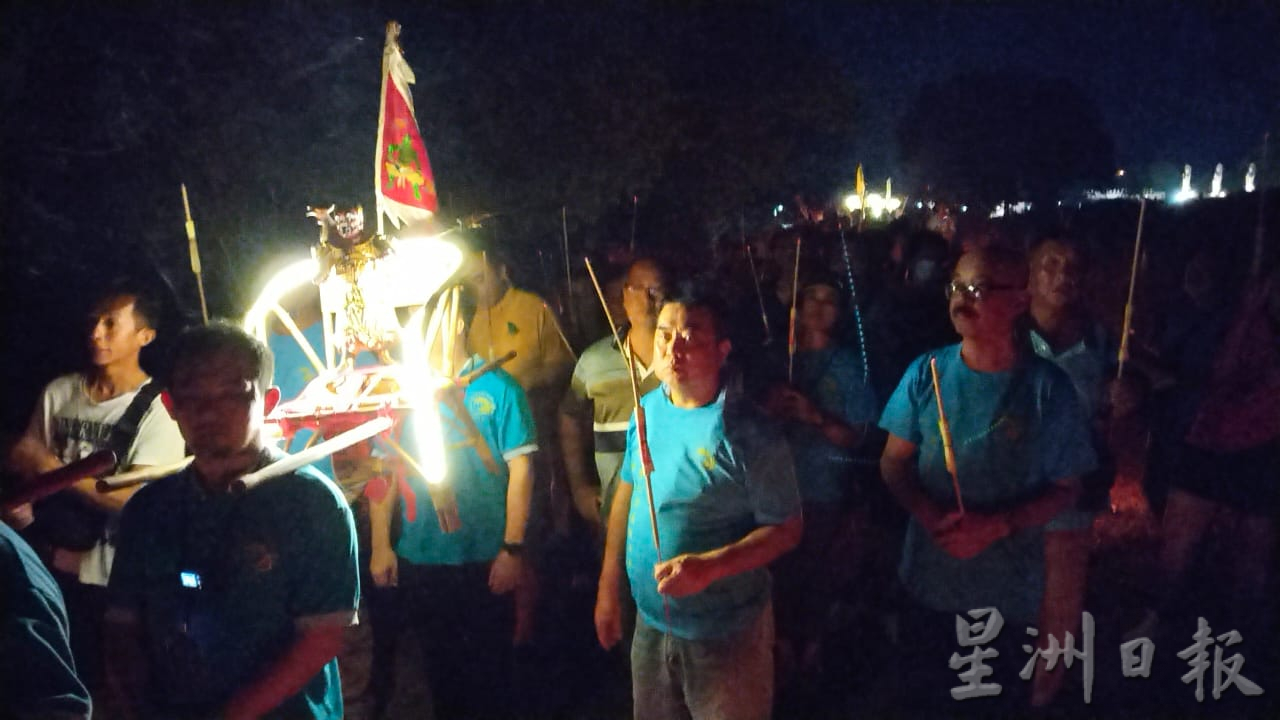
521, 321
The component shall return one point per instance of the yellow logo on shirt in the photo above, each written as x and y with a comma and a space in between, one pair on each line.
480, 405
708, 460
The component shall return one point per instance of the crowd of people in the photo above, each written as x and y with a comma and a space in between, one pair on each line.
679, 504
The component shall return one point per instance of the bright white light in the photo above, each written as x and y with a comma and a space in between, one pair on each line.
777, 211
998, 211
290, 277
409, 276
852, 202
875, 204
1120, 172
919, 204
965, 208
891, 204
1184, 195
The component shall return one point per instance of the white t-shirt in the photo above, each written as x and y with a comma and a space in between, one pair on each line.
72, 426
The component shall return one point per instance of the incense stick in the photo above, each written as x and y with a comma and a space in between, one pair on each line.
944, 429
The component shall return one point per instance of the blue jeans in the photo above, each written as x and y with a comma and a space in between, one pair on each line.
728, 678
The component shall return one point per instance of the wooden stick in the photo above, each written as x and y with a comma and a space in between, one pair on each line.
46, 484
488, 310
635, 211
341, 441
751, 261
1127, 325
646, 460
560, 332
568, 271
791, 333
944, 429
194, 251
1259, 231
142, 475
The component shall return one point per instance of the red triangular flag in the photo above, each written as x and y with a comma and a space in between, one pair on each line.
405, 187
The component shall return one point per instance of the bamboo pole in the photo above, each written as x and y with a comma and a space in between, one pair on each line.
944, 429
1127, 326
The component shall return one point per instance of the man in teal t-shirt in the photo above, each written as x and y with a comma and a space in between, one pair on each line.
1021, 444
460, 553
725, 494
231, 601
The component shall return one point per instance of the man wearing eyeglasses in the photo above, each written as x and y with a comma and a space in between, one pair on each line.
600, 396
226, 602
1021, 443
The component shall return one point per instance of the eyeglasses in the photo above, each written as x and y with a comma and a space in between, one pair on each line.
220, 401
975, 291
655, 292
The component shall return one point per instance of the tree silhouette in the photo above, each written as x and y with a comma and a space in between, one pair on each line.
990, 137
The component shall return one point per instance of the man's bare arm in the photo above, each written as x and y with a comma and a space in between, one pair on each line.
575, 449
608, 613
315, 646
898, 468
29, 457
692, 572
383, 564
504, 576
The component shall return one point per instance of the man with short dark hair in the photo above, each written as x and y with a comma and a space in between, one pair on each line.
725, 495
231, 601
112, 405
1020, 443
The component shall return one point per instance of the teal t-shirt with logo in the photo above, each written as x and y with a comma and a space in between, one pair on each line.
832, 379
717, 476
222, 583
500, 411
1014, 434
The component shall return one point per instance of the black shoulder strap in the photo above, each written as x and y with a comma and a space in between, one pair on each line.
126, 428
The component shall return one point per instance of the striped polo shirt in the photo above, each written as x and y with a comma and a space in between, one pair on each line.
600, 388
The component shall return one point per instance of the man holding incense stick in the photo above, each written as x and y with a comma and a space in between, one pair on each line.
231, 602
698, 529
1021, 443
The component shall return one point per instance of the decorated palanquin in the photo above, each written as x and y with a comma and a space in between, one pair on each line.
366, 287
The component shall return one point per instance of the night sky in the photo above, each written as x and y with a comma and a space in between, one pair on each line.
702, 111
1177, 82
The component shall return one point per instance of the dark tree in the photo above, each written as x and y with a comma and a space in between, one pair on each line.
991, 137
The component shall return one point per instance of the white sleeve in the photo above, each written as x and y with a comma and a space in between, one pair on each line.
159, 441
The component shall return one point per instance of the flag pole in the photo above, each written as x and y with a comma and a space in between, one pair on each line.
1127, 325
393, 32
194, 251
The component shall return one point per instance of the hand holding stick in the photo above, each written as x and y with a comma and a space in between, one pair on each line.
46, 484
